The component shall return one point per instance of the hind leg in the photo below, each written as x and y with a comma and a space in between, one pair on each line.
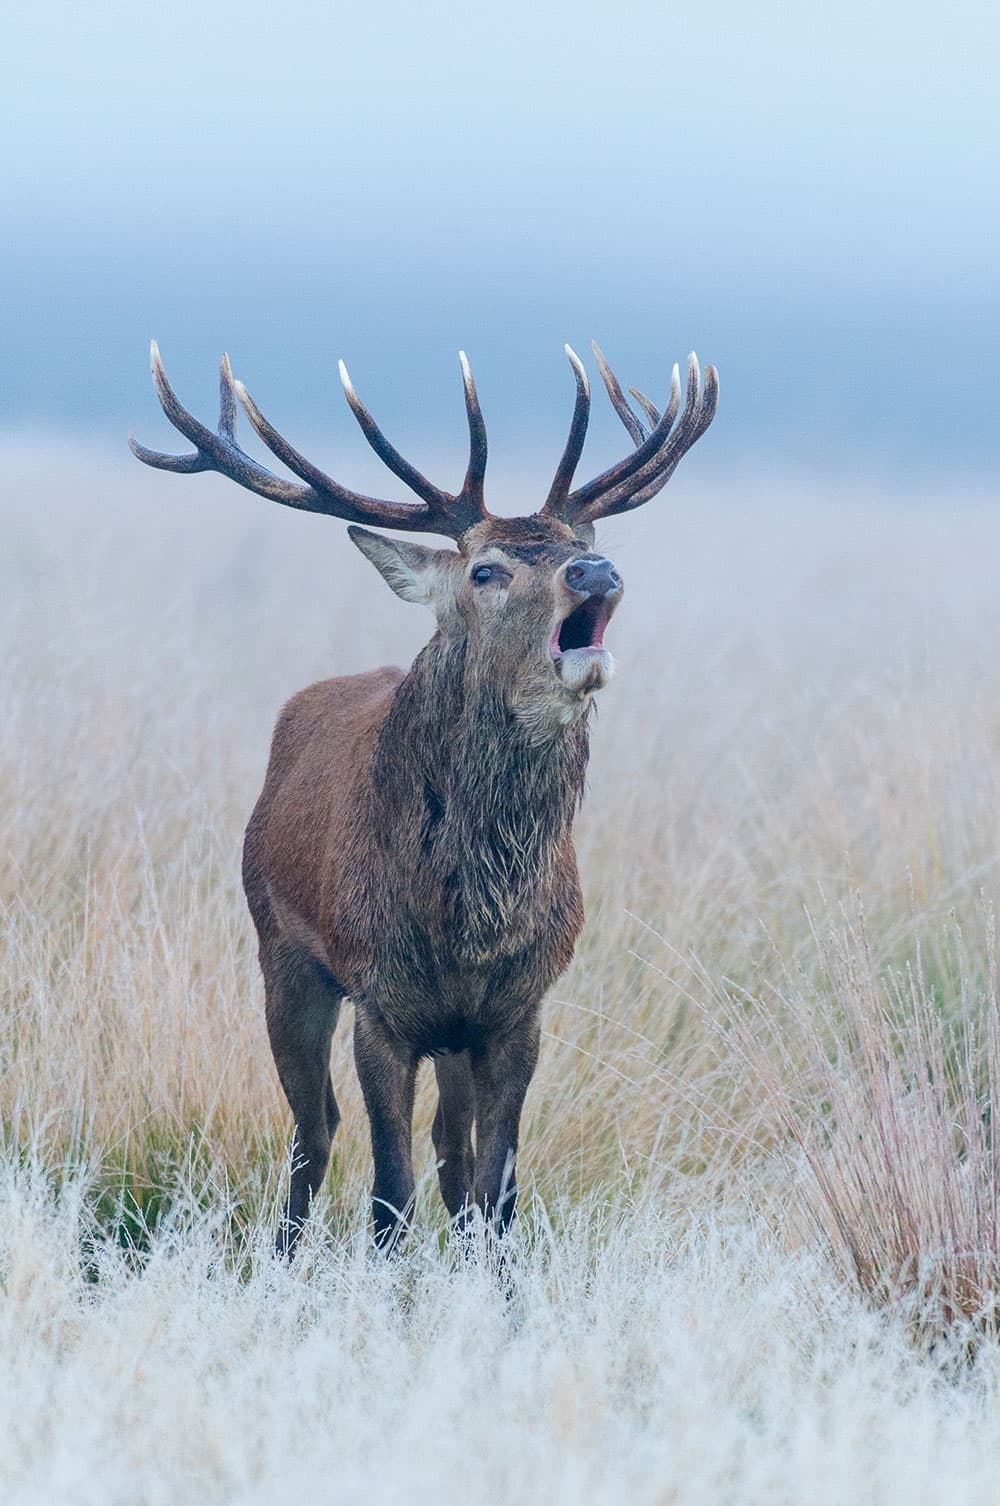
452, 1130
303, 1002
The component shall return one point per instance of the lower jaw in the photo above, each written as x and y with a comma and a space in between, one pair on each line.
585, 669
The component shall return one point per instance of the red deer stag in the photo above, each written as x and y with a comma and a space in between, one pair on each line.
412, 847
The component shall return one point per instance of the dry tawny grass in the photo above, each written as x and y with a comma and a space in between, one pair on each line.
805, 710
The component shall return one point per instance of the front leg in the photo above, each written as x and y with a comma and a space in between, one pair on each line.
452, 1130
388, 1072
501, 1072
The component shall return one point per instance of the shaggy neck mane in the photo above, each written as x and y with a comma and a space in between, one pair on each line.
486, 813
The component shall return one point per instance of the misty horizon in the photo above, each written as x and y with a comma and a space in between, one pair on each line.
802, 197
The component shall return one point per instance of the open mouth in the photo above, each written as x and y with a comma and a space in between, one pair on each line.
583, 628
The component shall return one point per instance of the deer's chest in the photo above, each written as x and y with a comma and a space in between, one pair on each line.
446, 989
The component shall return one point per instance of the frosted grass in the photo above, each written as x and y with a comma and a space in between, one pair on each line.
640, 1359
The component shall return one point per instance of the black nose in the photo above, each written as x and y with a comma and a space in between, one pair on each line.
597, 577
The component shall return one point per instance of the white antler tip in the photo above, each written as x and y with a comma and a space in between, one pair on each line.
577, 365
463, 361
579, 370
345, 380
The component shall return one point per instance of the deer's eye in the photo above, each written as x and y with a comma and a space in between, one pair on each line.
481, 574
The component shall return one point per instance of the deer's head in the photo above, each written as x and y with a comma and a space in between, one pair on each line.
529, 598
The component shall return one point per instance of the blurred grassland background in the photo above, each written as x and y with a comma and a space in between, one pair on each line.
759, 1255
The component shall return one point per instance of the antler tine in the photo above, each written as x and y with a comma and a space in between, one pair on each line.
705, 414
618, 398
387, 452
220, 452
579, 503
213, 452
475, 475
702, 417
709, 400
316, 480
640, 475
563, 479
699, 410
227, 400
651, 411
182, 464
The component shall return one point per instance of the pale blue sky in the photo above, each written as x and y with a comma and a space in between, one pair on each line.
806, 193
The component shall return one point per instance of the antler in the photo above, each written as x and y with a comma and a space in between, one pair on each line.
658, 449
438, 512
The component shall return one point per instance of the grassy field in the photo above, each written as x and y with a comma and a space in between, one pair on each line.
759, 1258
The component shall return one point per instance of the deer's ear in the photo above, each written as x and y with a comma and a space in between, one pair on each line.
410, 569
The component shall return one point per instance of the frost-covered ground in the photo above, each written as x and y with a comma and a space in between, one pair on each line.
760, 1245
642, 1358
